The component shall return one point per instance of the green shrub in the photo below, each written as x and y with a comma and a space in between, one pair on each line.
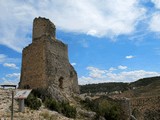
89, 104
52, 104
108, 109
33, 102
40, 93
68, 110
63, 107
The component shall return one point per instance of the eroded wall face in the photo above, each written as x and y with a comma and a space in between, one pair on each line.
43, 27
33, 66
59, 71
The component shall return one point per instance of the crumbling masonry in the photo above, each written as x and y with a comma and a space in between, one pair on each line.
45, 61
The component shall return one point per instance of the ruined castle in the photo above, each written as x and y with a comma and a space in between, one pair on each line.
45, 61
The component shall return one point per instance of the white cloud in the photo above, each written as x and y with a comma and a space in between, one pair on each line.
2, 58
5, 58
73, 64
6, 82
112, 69
99, 76
155, 23
15, 24
10, 65
13, 75
129, 57
13, 78
92, 32
157, 3
84, 43
122, 67
85, 80
105, 18
131, 75
95, 72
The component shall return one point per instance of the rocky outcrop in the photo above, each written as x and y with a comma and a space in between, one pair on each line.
145, 108
5, 101
45, 62
89, 115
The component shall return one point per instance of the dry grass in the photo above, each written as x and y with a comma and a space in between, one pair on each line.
47, 116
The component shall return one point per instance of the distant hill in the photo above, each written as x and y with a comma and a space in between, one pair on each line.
104, 87
145, 86
144, 82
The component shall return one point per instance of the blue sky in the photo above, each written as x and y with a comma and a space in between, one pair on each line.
116, 41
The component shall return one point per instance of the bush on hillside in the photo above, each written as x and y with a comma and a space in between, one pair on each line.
88, 104
63, 107
108, 109
68, 110
52, 105
40, 93
33, 102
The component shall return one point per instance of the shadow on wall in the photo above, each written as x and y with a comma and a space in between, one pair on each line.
61, 82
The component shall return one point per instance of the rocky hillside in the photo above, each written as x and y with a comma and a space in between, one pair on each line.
145, 87
144, 82
41, 114
143, 96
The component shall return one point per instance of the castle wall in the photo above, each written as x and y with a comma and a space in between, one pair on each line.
33, 66
43, 26
59, 71
45, 62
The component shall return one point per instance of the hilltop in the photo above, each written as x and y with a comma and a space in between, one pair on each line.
104, 87
142, 87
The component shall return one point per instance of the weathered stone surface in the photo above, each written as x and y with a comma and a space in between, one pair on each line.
45, 62
146, 108
28, 114
43, 26
86, 114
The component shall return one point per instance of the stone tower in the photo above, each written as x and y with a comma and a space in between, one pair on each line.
45, 61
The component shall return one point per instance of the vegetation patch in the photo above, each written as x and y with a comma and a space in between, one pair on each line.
33, 102
67, 110
63, 107
103, 87
110, 110
52, 105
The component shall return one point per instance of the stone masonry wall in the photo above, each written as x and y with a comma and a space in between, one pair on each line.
43, 26
45, 62
33, 66
59, 71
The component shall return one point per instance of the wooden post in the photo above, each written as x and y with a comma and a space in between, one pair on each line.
21, 105
12, 105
